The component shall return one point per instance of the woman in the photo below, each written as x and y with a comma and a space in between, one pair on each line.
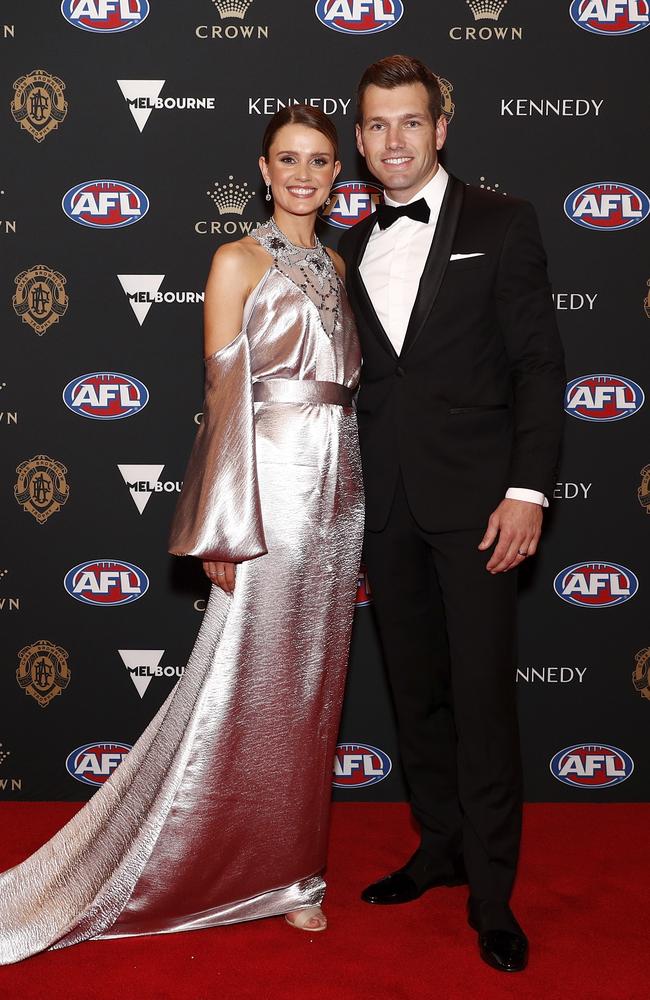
220, 811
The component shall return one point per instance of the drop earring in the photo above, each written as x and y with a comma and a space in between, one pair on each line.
328, 200
268, 192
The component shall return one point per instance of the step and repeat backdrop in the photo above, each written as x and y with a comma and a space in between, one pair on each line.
131, 131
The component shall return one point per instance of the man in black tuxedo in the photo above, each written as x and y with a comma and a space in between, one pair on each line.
460, 417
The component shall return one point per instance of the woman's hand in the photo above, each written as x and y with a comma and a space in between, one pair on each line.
222, 574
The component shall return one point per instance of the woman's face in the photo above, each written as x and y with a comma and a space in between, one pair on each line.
300, 169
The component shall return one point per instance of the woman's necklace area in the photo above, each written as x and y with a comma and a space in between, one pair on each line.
319, 277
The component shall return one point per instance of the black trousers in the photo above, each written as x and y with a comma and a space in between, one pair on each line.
447, 629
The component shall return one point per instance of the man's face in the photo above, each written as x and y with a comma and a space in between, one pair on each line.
399, 139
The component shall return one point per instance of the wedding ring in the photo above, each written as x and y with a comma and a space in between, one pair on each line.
223, 573
522, 553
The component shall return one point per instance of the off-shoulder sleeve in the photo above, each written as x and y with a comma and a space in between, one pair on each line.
218, 516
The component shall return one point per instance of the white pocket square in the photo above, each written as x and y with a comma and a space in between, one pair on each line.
462, 256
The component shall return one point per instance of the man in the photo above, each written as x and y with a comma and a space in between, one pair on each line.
460, 416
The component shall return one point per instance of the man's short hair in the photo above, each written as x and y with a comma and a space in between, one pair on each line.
395, 71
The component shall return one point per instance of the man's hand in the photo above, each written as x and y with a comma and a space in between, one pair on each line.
222, 574
518, 524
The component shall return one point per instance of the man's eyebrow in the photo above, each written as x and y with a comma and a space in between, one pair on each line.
403, 117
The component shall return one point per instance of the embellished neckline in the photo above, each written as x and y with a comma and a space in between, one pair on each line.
310, 268
294, 246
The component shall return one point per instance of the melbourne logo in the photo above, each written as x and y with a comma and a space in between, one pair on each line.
350, 202
105, 395
364, 593
41, 488
93, 763
144, 664
38, 105
105, 16
611, 17
361, 17
143, 96
41, 298
143, 480
357, 765
603, 397
105, 204
43, 671
640, 674
106, 582
142, 290
591, 765
607, 205
596, 584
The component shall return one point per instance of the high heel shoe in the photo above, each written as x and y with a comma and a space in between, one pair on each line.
310, 918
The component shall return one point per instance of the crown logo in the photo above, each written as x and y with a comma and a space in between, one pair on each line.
486, 10
490, 187
4, 754
232, 8
230, 198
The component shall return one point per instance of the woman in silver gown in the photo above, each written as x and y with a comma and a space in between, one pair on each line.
220, 811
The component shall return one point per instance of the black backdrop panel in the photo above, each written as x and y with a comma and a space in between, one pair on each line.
148, 116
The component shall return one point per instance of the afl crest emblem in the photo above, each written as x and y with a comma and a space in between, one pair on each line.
38, 103
41, 488
43, 671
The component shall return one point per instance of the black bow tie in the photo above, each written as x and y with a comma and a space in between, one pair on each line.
388, 214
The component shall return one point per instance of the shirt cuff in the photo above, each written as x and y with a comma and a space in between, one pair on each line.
531, 496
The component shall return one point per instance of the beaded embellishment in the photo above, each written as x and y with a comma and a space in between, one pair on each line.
310, 268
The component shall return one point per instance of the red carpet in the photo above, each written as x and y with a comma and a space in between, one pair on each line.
583, 896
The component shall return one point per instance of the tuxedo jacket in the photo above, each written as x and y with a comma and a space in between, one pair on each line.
473, 404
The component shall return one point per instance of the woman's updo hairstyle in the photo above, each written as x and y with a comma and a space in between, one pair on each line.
300, 114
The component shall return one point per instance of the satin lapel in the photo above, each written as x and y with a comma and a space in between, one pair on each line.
436, 262
359, 290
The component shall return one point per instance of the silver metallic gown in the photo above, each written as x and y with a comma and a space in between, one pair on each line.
220, 811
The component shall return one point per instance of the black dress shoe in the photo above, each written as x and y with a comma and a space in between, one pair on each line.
411, 881
503, 949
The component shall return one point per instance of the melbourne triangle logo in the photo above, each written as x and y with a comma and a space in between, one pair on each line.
140, 290
141, 482
141, 665
140, 96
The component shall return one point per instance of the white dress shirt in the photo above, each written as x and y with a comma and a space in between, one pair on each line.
391, 269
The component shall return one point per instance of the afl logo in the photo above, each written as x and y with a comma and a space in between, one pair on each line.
596, 584
105, 396
93, 763
350, 202
603, 397
106, 582
357, 765
105, 16
611, 17
364, 593
359, 17
607, 205
591, 765
105, 204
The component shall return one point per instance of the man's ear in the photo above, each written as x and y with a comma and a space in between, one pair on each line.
441, 132
357, 135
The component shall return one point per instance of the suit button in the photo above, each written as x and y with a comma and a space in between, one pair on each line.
400, 371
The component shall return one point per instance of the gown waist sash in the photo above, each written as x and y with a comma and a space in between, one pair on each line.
293, 390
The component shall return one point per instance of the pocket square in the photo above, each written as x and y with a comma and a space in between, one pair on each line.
462, 256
